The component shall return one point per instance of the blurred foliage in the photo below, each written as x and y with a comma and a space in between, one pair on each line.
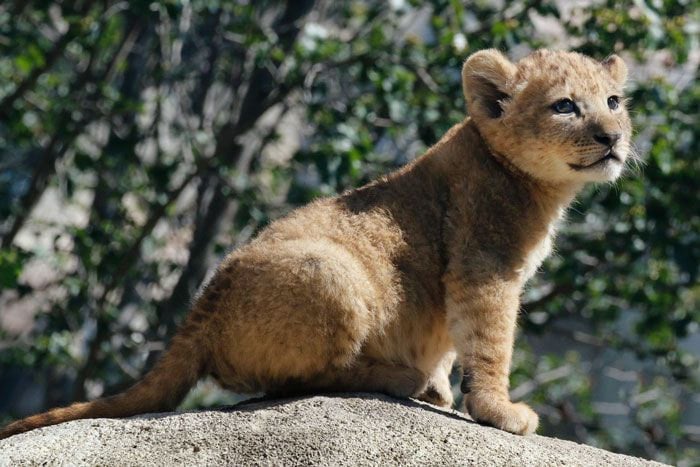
140, 141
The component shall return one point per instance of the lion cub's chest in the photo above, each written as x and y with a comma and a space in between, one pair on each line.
538, 254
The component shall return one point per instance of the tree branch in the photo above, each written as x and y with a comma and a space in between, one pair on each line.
70, 131
51, 57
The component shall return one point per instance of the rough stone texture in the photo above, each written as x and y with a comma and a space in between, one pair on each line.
352, 429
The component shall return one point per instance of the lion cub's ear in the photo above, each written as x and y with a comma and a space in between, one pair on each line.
485, 76
616, 67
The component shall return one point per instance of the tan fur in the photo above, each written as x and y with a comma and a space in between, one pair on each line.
381, 288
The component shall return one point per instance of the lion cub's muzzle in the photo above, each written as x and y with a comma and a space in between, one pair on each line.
608, 157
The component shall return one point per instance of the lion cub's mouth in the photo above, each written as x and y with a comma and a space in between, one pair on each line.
609, 157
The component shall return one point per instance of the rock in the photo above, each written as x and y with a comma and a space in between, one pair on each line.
346, 429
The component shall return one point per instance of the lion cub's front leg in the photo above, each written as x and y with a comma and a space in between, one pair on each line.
482, 324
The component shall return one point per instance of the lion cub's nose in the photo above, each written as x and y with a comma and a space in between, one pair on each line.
608, 139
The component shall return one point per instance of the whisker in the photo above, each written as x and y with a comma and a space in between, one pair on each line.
636, 164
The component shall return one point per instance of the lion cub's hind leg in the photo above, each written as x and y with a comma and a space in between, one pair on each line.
298, 310
439, 390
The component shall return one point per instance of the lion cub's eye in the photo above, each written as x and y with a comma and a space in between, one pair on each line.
564, 106
613, 102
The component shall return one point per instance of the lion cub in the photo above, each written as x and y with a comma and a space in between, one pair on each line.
383, 287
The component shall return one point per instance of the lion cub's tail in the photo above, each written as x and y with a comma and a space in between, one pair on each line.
161, 389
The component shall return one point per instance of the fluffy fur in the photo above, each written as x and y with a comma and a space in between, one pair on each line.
383, 287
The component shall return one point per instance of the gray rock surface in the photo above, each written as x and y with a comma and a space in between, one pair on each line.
350, 429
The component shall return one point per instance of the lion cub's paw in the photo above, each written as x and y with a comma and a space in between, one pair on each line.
490, 409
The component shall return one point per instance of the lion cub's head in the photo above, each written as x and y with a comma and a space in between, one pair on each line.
558, 116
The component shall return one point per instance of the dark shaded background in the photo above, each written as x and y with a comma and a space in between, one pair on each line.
140, 141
